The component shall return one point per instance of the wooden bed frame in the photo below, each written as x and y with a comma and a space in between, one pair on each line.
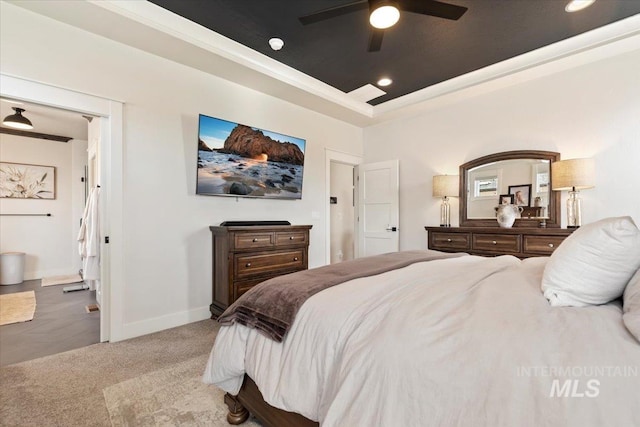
250, 400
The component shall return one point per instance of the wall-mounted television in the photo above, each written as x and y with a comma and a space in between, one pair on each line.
238, 160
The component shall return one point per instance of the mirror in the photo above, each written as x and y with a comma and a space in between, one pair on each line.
522, 178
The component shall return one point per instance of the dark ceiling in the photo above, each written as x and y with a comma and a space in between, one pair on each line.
419, 51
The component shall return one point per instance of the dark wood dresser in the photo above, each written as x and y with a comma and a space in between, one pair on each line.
244, 256
491, 241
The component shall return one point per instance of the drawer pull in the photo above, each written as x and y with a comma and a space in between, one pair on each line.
494, 242
295, 258
248, 264
255, 240
290, 237
550, 245
449, 240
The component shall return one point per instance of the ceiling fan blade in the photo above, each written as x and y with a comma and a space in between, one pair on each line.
375, 39
433, 8
322, 15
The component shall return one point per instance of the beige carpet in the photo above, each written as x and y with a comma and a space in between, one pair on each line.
17, 307
66, 389
61, 280
168, 397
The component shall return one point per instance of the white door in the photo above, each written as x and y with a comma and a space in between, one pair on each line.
378, 208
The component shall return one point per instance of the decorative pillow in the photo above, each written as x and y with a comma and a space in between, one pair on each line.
594, 264
631, 304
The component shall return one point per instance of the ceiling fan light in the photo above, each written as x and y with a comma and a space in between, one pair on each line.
576, 5
17, 120
384, 16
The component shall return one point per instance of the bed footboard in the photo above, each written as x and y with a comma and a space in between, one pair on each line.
249, 399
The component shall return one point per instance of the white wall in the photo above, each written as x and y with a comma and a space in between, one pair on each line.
589, 111
168, 254
49, 242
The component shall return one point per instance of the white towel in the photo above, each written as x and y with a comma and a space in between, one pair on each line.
89, 239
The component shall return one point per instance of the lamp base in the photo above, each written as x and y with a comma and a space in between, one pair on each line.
445, 213
574, 210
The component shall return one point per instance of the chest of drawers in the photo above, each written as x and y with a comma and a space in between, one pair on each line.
521, 242
244, 256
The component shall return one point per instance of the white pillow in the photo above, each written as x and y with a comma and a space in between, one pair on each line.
631, 304
594, 264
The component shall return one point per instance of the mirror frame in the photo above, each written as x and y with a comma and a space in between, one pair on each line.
553, 220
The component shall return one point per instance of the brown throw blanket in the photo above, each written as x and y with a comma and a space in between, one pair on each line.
271, 306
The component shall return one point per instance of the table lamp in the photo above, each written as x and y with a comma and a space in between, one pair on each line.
445, 186
573, 175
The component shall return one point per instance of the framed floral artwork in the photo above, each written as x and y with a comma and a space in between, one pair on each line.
24, 181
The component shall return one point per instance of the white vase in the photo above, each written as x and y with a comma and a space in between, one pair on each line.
507, 215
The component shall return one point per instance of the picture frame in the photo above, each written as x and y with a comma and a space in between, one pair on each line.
521, 194
506, 199
27, 181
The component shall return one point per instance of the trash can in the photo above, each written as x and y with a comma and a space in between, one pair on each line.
11, 268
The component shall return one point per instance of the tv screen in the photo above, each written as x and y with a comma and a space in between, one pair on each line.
239, 160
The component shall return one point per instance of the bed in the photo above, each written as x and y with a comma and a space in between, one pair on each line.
452, 341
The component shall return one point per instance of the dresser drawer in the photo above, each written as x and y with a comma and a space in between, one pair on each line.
446, 241
544, 245
291, 238
241, 287
253, 240
498, 243
265, 263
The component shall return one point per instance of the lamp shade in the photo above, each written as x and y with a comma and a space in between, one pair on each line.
446, 185
572, 174
17, 120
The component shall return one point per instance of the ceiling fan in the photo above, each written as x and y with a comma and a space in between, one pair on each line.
384, 14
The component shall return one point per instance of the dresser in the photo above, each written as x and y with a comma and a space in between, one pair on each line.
492, 241
244, 256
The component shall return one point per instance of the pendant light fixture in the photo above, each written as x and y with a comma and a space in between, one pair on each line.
17, 120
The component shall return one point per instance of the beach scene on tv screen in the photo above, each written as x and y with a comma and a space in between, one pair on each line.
239, 160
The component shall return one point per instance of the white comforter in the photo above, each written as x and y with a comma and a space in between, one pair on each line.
466, 341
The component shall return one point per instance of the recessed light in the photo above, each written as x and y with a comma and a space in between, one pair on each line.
385, 81
276, 43
576, 5
384, 16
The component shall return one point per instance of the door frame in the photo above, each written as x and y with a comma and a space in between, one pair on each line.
346, 159
111, 177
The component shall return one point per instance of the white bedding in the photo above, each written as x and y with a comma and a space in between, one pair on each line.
466, 341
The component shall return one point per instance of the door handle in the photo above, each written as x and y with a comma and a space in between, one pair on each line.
389, 228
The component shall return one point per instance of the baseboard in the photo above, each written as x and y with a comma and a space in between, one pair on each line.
38, 274
157, 324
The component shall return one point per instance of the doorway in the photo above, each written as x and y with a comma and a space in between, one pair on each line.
110, 115
44, 227
341, 233
342, 212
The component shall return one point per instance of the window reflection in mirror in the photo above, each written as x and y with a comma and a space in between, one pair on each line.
488, 182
